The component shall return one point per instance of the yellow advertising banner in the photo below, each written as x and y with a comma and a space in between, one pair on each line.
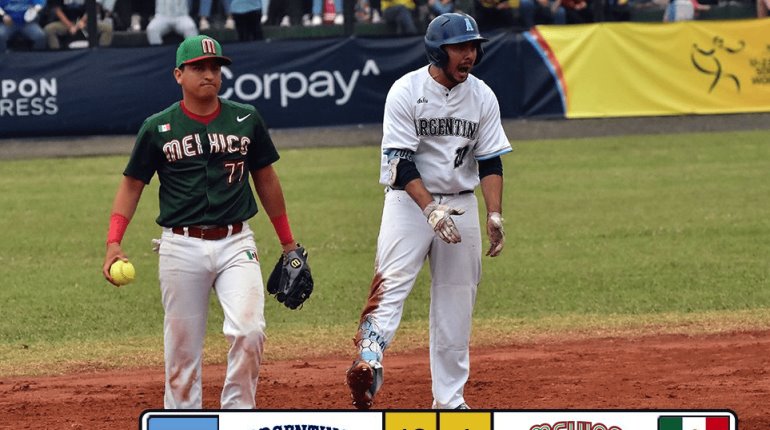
648, 69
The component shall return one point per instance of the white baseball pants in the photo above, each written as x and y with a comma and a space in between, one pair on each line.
404, 242
189, 268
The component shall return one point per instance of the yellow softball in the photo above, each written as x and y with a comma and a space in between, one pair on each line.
122, 272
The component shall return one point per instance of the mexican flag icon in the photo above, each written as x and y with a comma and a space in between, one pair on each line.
694, 423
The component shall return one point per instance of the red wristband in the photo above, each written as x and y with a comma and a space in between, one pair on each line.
281, 225
118, 225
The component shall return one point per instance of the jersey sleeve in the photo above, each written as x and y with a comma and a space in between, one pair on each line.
398, 121
492, 139
263, 152
397, 129
145, 157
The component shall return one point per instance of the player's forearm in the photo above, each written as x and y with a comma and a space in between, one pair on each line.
127, 197
492, 189
123, 208
417, 191
268, 188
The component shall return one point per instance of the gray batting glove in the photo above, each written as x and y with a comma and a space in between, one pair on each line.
496, 233
439, 217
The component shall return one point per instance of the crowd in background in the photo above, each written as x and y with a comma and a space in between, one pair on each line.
61, 24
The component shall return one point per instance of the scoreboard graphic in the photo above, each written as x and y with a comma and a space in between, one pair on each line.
440, 420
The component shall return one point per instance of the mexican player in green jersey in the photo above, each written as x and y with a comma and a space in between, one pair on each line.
203, 150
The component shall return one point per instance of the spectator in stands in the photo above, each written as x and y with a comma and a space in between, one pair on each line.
368, 11
319, 9
578, 11
617, 10
108, 11
762, 8
274, 14
119, 12
400, 14
170, 16
70, 22
494, 14
247, 15
439, 7
286, 12
427, 10
141, 11
21, 17
204, 13
362, 10
545, 12
684, 10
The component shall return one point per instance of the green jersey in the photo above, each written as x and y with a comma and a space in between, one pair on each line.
203, 169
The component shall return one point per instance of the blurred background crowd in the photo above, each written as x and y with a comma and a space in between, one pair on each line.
63, 24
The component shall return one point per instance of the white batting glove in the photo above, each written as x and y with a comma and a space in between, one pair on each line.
495, 233
443, 225
155, 245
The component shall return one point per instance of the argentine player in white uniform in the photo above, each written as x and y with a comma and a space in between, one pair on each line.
442, 137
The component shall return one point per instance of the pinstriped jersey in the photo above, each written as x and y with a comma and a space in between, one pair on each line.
203, 169
448, 130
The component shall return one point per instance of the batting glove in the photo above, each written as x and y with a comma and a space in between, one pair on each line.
439, 217
495, 233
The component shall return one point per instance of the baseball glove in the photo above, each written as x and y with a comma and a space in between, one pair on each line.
291, 281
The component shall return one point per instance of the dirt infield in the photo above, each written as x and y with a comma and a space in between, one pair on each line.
724, 371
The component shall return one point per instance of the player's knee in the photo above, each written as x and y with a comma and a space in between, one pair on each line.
252, 341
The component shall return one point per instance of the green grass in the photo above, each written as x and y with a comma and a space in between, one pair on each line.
604, 235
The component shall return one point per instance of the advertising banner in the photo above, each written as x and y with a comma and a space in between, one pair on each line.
306, 83
642, 69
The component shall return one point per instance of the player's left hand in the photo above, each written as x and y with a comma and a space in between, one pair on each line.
496, 233
291, 280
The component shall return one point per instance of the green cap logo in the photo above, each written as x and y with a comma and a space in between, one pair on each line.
199, 48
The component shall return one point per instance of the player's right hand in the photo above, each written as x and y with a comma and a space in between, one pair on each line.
114, 253
439, 217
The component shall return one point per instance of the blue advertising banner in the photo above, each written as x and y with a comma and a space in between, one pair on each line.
307, 83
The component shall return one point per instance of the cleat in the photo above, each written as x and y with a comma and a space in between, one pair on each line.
463, 405
364, 379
